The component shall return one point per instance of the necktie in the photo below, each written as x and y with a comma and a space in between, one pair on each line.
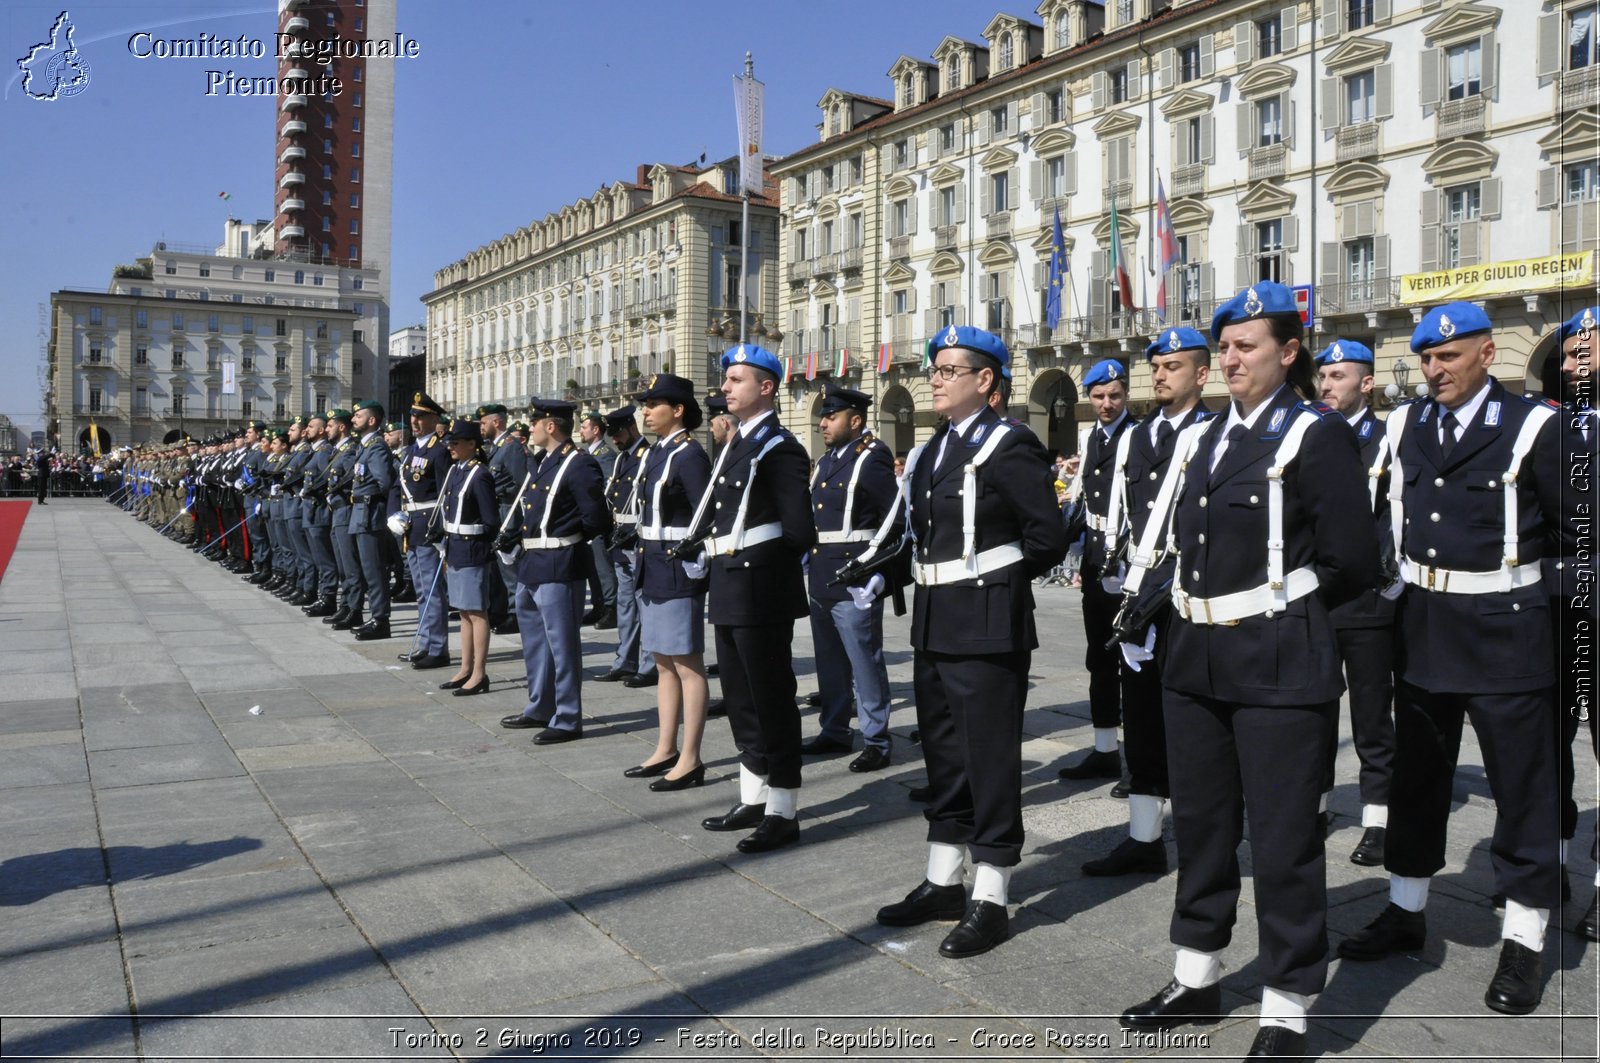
1235, 434
1164, 434
1448, 441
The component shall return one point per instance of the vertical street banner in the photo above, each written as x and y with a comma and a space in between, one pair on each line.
229, 383
747, 107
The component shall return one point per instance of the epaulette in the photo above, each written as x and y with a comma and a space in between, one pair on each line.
1552, 403
1321, 409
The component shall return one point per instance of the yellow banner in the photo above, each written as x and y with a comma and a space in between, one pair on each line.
1574, 270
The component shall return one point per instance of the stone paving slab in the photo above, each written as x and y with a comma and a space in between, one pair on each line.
368, 845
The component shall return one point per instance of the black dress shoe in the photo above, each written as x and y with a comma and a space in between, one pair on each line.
716, 707
452, 684
612, 676
321, 607
925, 904
1395, 930
1175, 1005
646, 679
1518, 982
337, 615
713, 668
1123, 788
1096, 765
818, 744
1278, 1042
871, 759
518, 722
349, 622
1589, 925
422, 661
1131, 858
1369, 851
985, 925
606, 621
407, 595
480, 687
774, 833
373, 630
648, 771
920, 793
588, 618
814, 699
555, 736
739, 817
507, 627
695, 776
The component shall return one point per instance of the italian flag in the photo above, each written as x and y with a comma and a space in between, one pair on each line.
1119, 269
842, 362
788, 368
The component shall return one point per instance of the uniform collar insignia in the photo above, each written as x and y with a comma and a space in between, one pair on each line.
1491, 415
1447, 328
760, 433
1366, 429
1252, 302
977, 434
1278, 417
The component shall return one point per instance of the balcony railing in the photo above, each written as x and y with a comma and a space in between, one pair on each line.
1189, 180
1460, 118
1119, 192
1358, 141
1577, 89
944, 237
998, 226
850, 259
1269, 161
899, 247
799, 271
1357, 297
101, 409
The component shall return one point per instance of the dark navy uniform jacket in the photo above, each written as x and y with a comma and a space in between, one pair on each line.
468, 500
1099, 461
507, 459
1455, 519
830, 488
761, 584
314, 486
685, 481
1016, 504
1221, 531
619, 485
577, 507
1371, 609
341, 471
369, 491
1142, 475
422, 472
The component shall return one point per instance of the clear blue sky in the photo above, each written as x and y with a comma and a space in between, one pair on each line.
511, 109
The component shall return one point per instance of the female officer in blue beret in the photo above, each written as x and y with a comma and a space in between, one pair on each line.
1251, 674
466, 521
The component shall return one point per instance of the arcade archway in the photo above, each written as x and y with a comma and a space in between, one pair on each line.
1052, 410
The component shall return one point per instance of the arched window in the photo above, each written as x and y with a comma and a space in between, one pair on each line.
1005, 52
906, 98
952, 78
1062, 35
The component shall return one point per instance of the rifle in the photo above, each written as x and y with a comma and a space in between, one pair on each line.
689, 548
1138, 611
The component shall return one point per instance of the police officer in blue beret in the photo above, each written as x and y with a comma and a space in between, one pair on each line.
1365, 626
986, 523
622, 493
1575, 607
853, 494
561, 509
1180, 364
760, 526
422, 471
1268, 540
1475, 461
1106, 384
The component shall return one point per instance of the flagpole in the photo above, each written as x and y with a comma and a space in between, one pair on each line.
744, 224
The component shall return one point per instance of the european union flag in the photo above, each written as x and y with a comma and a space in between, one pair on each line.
1059, 268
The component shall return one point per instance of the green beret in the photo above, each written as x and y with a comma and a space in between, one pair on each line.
337, 414
491, 408
298, 421
394, 426
370, 404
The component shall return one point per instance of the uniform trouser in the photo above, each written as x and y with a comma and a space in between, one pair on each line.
260, 535
232, 527
1144, 723
969, 716
301, 570
347, 560
433, 621
319, 538
1105, 666
631, 655
1227, 761
1576, 635
369, 548
849, 654
1517, 736
1368, 655
757, 669
552, 650
602, 580
283, 561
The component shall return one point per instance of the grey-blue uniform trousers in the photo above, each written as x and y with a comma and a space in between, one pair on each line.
849, 640
272, 512
549, 599
303, 573
318, 520
604, 578
974, 639
369, 493
255, 517
341, 471
507, 459
625, 509
421, 476
1486, 657
1099, 605
1247, 703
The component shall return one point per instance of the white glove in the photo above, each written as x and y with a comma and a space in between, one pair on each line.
1134, 656
398, 523
864, 596
1392, 591
695, 569
1112, 584
509, 557
238, 485
439, 546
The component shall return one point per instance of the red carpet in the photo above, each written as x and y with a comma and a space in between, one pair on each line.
12, 514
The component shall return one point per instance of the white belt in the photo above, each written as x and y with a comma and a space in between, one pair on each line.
1098, 523
670, 533
551, 542
1455, 581
413, 507
1229, 609
728, 544
859, 535
626, 518
935, 573
452, 528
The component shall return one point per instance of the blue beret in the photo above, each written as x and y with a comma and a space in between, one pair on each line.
1105, 372
1261, 299
1448, 322
837, 399
1345, 351
1173, 340
751, 355
1585, 320
967, 338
